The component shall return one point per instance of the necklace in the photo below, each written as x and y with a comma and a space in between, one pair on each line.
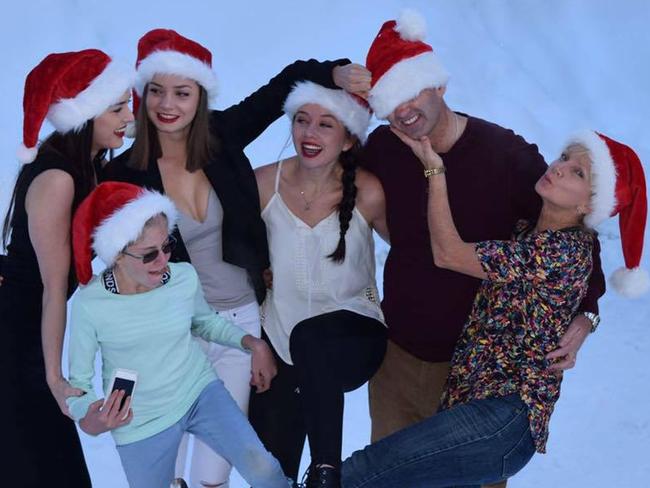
317, 194
320, 190
308, 202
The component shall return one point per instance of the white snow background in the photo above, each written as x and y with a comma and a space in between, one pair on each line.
542, 68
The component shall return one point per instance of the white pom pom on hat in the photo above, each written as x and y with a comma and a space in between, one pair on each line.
630, 283
411, 26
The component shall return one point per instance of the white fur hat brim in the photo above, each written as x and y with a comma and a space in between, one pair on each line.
176, 63
105, 90
354, 116
404, 81
126, 224
603, 176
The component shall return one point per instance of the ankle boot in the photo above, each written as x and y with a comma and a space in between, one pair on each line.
178, 483
323, 477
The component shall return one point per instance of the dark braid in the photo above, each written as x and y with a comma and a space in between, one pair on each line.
348, 160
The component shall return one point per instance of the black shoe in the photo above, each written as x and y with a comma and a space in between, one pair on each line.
178, 483
323, 477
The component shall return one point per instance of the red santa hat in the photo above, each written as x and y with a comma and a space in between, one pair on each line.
111, 217
164, 51
69, 89
401, 64
352, 111
619, 188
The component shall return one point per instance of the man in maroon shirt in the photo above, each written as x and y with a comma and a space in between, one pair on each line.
491, 173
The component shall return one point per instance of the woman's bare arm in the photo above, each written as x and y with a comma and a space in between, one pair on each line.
49, 205
449, 250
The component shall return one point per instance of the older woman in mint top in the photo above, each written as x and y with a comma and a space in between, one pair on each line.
500, 392
141, 313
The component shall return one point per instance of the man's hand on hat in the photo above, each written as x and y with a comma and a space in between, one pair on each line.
353, 78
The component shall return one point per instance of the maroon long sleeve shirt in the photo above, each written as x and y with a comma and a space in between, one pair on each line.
491, 173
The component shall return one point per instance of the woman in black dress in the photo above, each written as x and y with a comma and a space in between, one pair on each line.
84, 95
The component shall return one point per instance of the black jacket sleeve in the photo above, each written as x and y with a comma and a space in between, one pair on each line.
242, 123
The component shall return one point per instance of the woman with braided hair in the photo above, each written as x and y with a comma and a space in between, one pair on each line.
322, 315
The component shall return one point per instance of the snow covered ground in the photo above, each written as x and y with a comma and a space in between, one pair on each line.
543, 68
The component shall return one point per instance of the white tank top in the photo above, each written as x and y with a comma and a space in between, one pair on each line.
306, 282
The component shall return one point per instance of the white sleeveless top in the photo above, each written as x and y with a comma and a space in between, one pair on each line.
306, 282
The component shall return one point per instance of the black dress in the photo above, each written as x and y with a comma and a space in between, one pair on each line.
43, 443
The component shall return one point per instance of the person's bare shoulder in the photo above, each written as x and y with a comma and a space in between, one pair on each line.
266, 172
265, 176
370, 191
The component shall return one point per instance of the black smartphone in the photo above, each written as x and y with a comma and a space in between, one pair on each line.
123, 379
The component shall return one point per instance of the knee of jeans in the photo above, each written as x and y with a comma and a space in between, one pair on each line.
519, 455
217, 484
261, 465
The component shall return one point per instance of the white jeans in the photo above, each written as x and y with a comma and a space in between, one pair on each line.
206, 468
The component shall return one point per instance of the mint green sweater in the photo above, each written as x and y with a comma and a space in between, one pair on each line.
150, 333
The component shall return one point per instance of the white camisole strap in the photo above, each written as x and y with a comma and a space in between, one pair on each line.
277, 176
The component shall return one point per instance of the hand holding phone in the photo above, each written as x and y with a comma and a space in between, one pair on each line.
115, 410
106, 415
122, 380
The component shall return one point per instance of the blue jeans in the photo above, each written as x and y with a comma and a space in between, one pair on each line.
481, 442
216, 419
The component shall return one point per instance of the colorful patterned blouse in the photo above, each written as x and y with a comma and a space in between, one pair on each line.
534, 286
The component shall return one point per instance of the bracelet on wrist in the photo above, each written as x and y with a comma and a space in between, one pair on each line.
438, 170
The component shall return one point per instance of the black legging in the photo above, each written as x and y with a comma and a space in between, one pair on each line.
332, 354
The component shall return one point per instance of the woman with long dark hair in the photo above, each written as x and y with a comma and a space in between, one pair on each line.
322, 315
84, 95
196, 157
